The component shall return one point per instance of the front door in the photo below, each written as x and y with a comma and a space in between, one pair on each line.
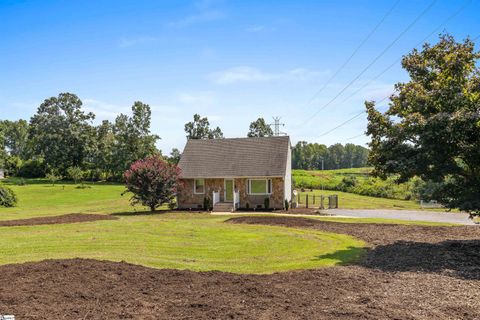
228, 190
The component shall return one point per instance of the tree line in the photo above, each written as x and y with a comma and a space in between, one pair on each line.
61, 136
312, 156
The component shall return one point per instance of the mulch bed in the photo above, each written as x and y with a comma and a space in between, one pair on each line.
67, 218
381, 286
90, 289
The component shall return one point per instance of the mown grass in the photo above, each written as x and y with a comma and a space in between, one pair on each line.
198, 242
40, 198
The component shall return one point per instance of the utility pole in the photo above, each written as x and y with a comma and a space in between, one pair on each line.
276, 126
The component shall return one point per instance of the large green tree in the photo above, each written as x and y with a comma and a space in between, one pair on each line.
133, 139
432, 126
259, 128
15, 135
61, 132
199, 128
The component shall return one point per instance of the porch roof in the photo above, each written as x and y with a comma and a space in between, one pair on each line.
237, 157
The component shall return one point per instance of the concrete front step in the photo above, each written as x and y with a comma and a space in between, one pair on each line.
223, 207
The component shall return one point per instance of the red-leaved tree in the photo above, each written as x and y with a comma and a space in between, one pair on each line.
152, 181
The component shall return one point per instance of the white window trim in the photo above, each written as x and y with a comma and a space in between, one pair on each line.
195, 186
268, 182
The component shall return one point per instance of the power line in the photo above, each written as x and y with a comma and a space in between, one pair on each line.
376, 58
418, 44
396, 61
351, 119
357, 136
354, 52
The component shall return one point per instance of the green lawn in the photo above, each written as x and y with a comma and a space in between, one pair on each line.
161, 240
39, 198
181, 240
355, 201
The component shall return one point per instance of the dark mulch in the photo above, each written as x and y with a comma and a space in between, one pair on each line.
90, 289
67, 218
454, 251
409, 272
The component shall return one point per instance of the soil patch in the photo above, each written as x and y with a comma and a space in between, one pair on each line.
453, 251
91, 289
67, 218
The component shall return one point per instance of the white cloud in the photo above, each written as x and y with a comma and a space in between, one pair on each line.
250, 74
197, 99
201, 17
104, 110
255, 28
129, 42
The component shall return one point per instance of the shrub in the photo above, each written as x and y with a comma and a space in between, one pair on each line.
286, 204
13, 165
266, 203
53, 177
152, 181
35, 168
207, 203
7, 197
75, 173
347, 183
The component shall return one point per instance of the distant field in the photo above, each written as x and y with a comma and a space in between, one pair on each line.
356, 180
328, 179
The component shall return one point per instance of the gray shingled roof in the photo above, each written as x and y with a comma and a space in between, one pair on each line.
238, 157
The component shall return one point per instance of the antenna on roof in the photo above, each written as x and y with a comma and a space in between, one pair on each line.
276, 126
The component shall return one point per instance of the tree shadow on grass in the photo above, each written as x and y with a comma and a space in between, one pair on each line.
348, 256
141, 213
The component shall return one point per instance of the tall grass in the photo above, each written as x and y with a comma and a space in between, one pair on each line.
355, 180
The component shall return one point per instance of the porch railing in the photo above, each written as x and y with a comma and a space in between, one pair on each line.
236, 199
215, 198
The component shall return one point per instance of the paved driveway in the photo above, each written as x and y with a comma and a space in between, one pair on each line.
412, 215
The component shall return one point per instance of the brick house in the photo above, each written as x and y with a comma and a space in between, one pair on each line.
236, 173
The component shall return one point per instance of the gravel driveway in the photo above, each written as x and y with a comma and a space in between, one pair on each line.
435, 216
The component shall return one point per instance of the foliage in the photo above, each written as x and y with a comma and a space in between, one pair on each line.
287, 204
174, 156
207, 203
266, 203
53, 177
75, 173
152, 181
7, 197
13, 165
259, 128
359, 181
61, 135
432, 127
309, 156
33, 168
60, 132
133, 139
199, 128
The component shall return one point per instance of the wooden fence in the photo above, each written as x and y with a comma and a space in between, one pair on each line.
308, 200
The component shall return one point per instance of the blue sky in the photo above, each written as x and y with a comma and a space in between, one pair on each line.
232, 61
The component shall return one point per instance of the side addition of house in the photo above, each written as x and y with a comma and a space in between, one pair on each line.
236, 173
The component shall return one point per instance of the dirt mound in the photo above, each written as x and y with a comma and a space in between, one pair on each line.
453, 251
67, 218
90, 289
